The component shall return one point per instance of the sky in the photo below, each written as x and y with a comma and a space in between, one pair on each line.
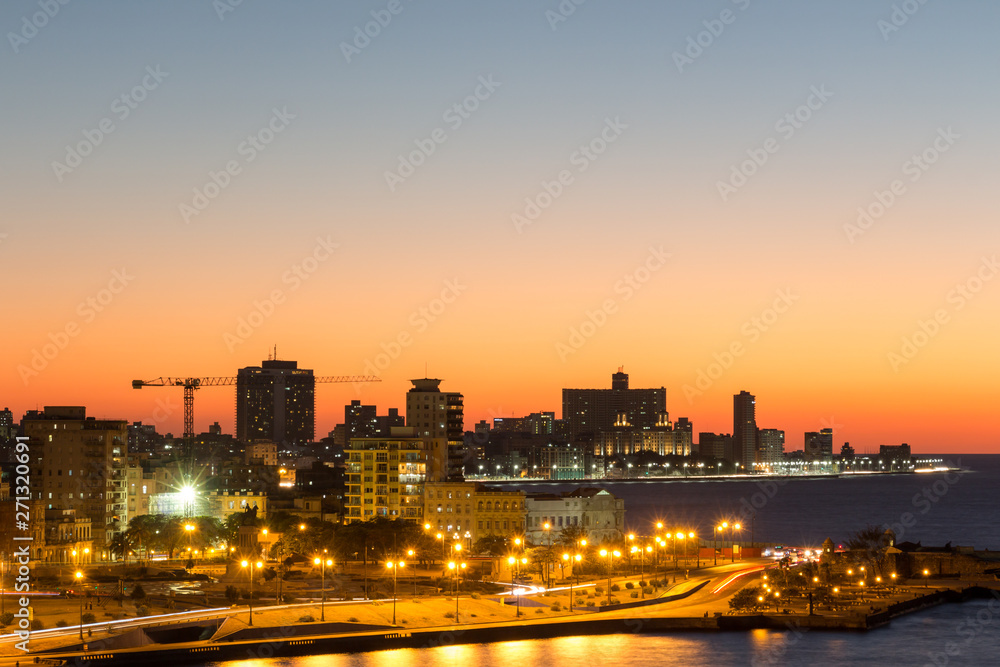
793, 199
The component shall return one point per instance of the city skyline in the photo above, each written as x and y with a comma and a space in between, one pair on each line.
795, 201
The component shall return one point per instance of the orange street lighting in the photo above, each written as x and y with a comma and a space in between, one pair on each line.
323, 564
256, 565
79, 580
394, 566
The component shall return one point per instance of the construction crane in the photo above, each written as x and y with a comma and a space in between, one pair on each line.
190, 384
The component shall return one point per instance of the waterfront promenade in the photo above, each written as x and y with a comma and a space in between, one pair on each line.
700, 603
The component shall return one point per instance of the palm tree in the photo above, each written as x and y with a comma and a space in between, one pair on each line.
121, 546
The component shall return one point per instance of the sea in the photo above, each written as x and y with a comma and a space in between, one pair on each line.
961, 507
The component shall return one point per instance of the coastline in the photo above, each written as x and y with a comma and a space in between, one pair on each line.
281, 643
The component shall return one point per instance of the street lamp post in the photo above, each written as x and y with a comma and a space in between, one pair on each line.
394, 566
322, 587
679, 536
718, 532
251, 565
547, 527
457, 567
610, 555
410, 553
732, 536
516, 562
79, 581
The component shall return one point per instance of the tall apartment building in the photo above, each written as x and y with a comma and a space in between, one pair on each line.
386, 476
363, 421
594, 410
536, 423
719, 446
770, 447
8, 429
438, 414
745, 429
78, 462
818, 446
275, 401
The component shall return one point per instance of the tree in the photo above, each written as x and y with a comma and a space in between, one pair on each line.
232, 594
138, 593
570, 536
746, 599
868, 547
121, 546
493, 545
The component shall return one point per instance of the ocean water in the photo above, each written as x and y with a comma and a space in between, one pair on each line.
931, 508
934, 508
947, 635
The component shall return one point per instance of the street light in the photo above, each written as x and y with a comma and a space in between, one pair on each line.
394, 566
679, 536
323, 563
457, 567
927, 574
515, 562
732, 539
79, 581
547, 527
575, 558
411, 554
718, 532
611, 555
257, 565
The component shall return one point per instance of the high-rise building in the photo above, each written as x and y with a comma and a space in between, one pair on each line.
745, 429
438, 414
818, 446
594, 410
718, 446
770, 447
684, 425
386, 476
79, 463
363, 421
8, 429
537, 423
275, 401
